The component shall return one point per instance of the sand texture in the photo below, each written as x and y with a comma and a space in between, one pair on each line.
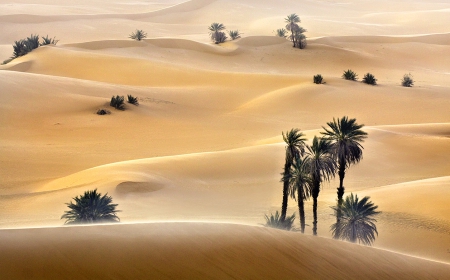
197, 164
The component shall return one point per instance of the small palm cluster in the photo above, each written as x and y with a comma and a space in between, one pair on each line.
24, 46
350, 75
369, 79
91, 207
118, 102
318, 79
407, 80
217, 34
275, 221
138, 35
297, 37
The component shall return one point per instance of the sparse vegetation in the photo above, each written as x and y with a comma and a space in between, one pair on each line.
48, 41
369, 79
350, 75
275, 221
24, 46
297, 37
234, 34
133, 100
216, 34
281, 33
407, 80
91, 207
117, 102
138, 35
103, 112
357, 222
318, 79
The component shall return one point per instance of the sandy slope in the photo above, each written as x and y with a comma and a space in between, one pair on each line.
205, 144
216, 251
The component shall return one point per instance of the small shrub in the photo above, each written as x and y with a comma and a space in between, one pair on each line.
234, 34
281, 33
103, 112
138, 35
274, 221
8, 60
318, 79
369, 79
20, 48
117, 102
48, 41
407, 80
133, 100
350, 75
32, 42
219, 37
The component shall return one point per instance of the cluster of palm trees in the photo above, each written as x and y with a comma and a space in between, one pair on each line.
218, 36
307, 166
297, 37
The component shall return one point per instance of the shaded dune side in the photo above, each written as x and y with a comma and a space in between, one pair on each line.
197, 251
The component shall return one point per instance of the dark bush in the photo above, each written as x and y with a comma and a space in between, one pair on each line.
369, 79
275, 221
48, 41
117, 102
103, 112
350, 75
318, 79
32, 42
234, 34
219, 37
133, 100
138, 35
407, 80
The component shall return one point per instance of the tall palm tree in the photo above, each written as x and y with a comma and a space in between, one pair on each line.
322, 166
346, 136
300, 182
91, 207
291, 25
294, 149
357, 222
215, 31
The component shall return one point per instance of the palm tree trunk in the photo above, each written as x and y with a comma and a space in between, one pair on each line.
301, 210
293, 38
315, 195
284, 204
340, 194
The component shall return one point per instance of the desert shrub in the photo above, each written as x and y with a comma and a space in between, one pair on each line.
282, 33
275, 221
103, 112
20, 48
32, 42
234, 34
133, 100
369, 79
407, 80
138, 35
117, 102
48, 41
318, 79
350, 75
219, 37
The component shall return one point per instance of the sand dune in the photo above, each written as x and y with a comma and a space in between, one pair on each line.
216, 251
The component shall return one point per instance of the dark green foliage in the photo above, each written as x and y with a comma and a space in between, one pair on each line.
48, 41
318, 79
20, 48
294, 150
220, 37
117, 102
369, 79
297, 37
300, 184
407, 80
281, 33
90, 208
350, 75
103, 112
32, 42
277, 222
357, 222
133, 100
234, 34
8, 60
216, 34
138, 35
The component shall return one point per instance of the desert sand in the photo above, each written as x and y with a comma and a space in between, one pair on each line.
197, 164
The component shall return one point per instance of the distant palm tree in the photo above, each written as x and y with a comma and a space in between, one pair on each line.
294, 149
138, 35
300, 183
291, 25
357, 222
91, 207
346, 136
281, 32
322, 166
215, 32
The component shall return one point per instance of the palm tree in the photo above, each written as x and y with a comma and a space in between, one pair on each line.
291, 25
281, 32
300, 182
357, 222
346, 136
294, 149
215, 32
90, 208
138, 35
275, 221
322, 166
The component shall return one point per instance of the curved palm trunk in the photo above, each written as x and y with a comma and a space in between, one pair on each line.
301, 210
340, 194
284, 205
315, 195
